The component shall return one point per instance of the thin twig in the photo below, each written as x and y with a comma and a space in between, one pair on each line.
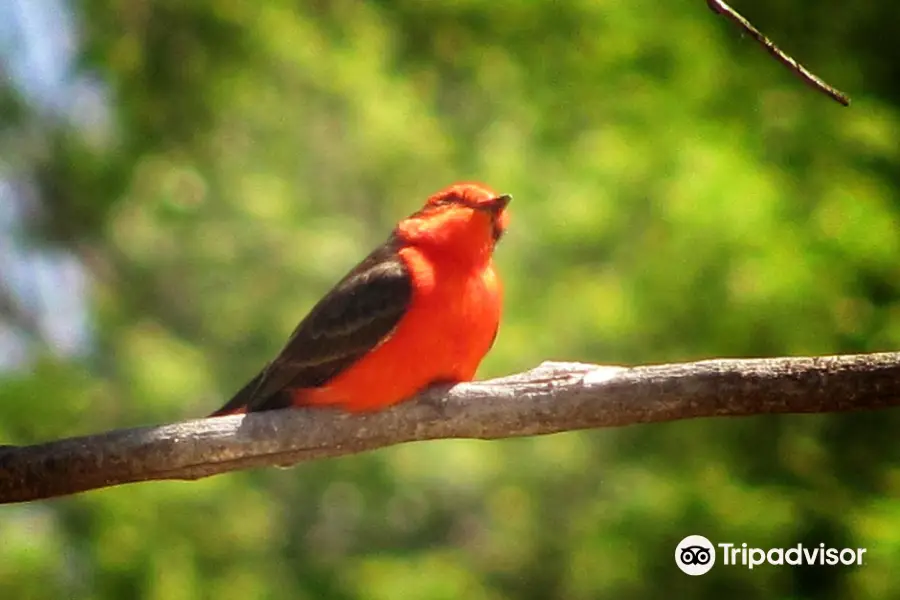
802, 72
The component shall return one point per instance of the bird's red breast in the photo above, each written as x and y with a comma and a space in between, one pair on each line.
423, 308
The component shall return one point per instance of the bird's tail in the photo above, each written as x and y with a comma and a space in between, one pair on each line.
238, 404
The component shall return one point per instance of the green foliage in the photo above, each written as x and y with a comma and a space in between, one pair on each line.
677, 196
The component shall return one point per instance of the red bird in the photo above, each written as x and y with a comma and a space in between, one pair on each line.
422, 308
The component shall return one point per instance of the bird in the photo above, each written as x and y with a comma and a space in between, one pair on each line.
421, 309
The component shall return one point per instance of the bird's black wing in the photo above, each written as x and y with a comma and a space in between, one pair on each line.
352, 319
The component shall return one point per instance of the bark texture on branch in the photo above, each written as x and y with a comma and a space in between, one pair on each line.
552, 398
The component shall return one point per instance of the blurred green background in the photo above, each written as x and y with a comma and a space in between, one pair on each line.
180, 181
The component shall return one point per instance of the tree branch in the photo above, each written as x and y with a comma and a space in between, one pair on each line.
720, 7
551, 398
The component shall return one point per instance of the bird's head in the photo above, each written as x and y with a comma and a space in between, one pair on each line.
465, 217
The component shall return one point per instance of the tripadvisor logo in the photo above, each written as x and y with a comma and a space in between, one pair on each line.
696, 555
793, 556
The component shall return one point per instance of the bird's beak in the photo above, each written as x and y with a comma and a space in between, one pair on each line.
499, 218
499, 203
